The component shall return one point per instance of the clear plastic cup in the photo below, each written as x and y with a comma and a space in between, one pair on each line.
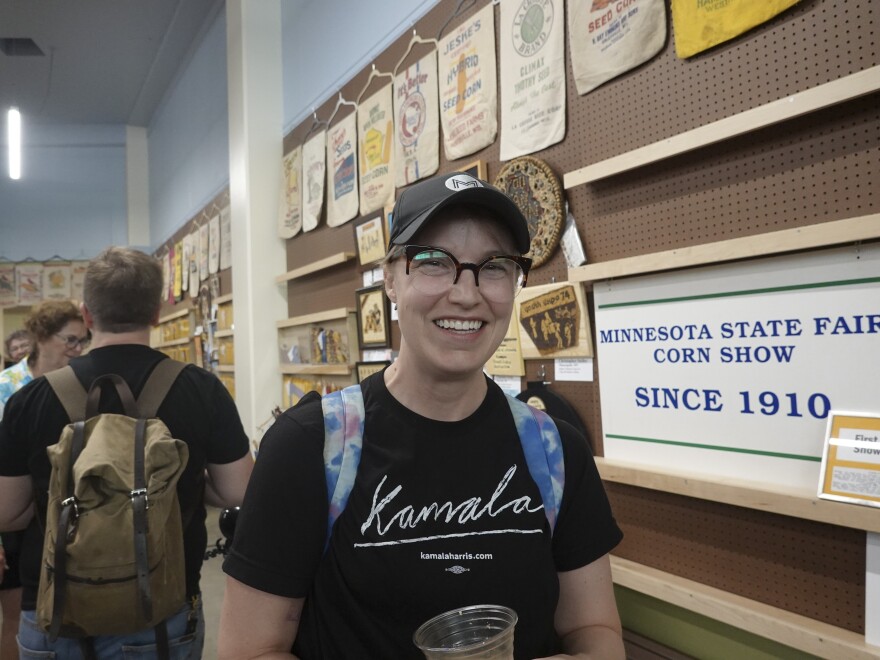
468, 633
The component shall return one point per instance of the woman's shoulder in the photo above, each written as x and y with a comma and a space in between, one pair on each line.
302, 423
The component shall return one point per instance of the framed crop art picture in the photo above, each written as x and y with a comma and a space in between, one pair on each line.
370, 238
373, 318
476, 169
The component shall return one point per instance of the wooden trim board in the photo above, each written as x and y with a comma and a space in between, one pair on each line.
816, 98
317, 317
315, 266
794, 630
797, 503
866, 227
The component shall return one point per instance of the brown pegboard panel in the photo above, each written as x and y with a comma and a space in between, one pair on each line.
805, 567
326, 289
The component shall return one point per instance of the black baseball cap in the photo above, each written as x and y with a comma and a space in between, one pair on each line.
424, 200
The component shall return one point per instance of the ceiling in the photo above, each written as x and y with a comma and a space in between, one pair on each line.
104, 61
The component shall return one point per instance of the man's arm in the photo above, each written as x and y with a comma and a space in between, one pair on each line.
16, 502
225, 483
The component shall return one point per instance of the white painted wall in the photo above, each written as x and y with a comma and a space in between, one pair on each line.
71, 199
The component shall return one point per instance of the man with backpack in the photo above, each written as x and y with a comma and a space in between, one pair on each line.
175, 426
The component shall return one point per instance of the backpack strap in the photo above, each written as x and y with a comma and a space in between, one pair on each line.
343, 439
69, 391
157, 386
73, 395
543, 451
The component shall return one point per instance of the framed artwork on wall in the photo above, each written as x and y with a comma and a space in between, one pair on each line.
476, 169
370, 237
364, 369
373, 319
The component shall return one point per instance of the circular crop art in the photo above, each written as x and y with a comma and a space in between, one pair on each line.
537, 191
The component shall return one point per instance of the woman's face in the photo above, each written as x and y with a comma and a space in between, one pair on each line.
18, 348
56, 351
452, 334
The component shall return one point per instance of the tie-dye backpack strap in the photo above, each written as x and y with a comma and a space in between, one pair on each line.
543, 451
343, 438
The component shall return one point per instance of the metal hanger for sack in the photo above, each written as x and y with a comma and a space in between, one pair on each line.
316, 125
374, 74
459, 8
339, 103
415, 39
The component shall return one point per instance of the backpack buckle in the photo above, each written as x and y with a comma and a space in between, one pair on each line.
71, 501
140, 492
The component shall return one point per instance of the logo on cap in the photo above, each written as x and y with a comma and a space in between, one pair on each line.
460, 181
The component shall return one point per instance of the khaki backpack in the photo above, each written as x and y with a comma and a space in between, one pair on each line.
113, 559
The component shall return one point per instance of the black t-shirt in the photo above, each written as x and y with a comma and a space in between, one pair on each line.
442, 515
197, 410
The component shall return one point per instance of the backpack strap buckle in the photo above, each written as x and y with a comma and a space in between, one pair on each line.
71, 501
140, 492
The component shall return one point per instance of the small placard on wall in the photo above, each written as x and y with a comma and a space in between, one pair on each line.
573, 369
851, 459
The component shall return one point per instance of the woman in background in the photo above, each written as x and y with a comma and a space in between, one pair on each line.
18, 344
57, 334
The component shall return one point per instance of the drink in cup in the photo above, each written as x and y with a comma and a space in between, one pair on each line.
483, 632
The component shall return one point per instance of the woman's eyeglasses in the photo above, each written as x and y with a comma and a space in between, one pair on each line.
72, 341
435, 271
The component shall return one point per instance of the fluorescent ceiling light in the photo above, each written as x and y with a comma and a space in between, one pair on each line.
13, 125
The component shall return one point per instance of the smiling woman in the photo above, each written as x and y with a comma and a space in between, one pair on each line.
55, 333
442, 509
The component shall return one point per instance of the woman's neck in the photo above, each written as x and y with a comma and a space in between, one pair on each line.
445, 400
41, 366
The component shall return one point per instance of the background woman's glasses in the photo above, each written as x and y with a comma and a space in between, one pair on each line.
72, 341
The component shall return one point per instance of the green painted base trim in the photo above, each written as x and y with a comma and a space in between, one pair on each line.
695, 635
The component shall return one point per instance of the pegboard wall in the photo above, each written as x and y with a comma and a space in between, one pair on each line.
818, 168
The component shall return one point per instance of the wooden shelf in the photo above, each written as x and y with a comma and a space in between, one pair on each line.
316, 369
810, 100
219, 300
315, 266
174, 315
866, 227
317, 317
173, 342
797, 503
223, 333
799, 632
226, 368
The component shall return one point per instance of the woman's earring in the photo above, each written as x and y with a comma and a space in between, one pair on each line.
395, 306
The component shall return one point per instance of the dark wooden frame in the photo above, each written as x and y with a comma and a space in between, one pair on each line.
376, 254
384, 316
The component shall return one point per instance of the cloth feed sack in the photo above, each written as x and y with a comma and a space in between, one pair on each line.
113, 549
